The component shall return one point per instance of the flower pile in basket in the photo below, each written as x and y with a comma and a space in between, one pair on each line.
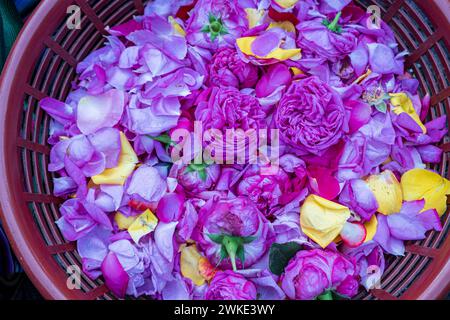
245, 149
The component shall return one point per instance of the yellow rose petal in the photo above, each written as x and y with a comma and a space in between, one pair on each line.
387, 191
296, 71
402, 103
322, 220
125, 167
177, 27
123, 222
245, 45
143, 225
371, 228
420, 184
285, 25
286, 4
189, 264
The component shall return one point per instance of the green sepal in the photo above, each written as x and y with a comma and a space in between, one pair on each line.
327, 295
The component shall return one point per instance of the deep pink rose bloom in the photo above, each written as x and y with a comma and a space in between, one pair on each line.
229, 108
192, 181
228, 70
264, 190
237, 217
311, 116
229, 285
317, 39
311, 273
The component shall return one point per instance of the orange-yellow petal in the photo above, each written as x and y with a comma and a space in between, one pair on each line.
286, 4
402, 103
245, 45
123, 222
125, 167
285, 25
143, 225
296, 71
177, 27
189, 264
322, 220
420, 184
371, 228
387, 191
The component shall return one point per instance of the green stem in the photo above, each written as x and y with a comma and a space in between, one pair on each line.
333, 25
231, 245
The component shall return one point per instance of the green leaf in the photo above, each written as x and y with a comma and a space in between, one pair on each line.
280, 254
223, 253
327, 295
163, 138
211, 18
202, 175
240, 254
248, 239
337, 296
217, 238
205, 29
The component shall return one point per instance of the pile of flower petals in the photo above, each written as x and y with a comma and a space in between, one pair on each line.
352, 183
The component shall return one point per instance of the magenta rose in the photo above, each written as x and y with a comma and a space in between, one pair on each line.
198, 178
232, 232
264, 190
229, 285
311, 273
229, 108
228, 70
311, 116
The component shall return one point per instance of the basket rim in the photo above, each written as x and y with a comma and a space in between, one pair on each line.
37, 265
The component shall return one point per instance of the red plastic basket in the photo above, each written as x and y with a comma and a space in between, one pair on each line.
42, 64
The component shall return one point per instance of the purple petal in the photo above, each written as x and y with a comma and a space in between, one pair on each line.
107, 141
266, 43
116, 278
63, 186
153, 189
383, 238
164, 239
97, 112
170, 207
61, 112
430, 153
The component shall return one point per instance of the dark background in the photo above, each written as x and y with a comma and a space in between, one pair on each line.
14, 284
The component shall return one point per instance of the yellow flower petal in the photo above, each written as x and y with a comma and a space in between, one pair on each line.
296, 71
402, 103
420, 184
143, 225
177, 27
322, 220
125, 167
285, 25
245, 45
286, 4
371, 228
387, 191
123, 222
189, 264
254, 17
